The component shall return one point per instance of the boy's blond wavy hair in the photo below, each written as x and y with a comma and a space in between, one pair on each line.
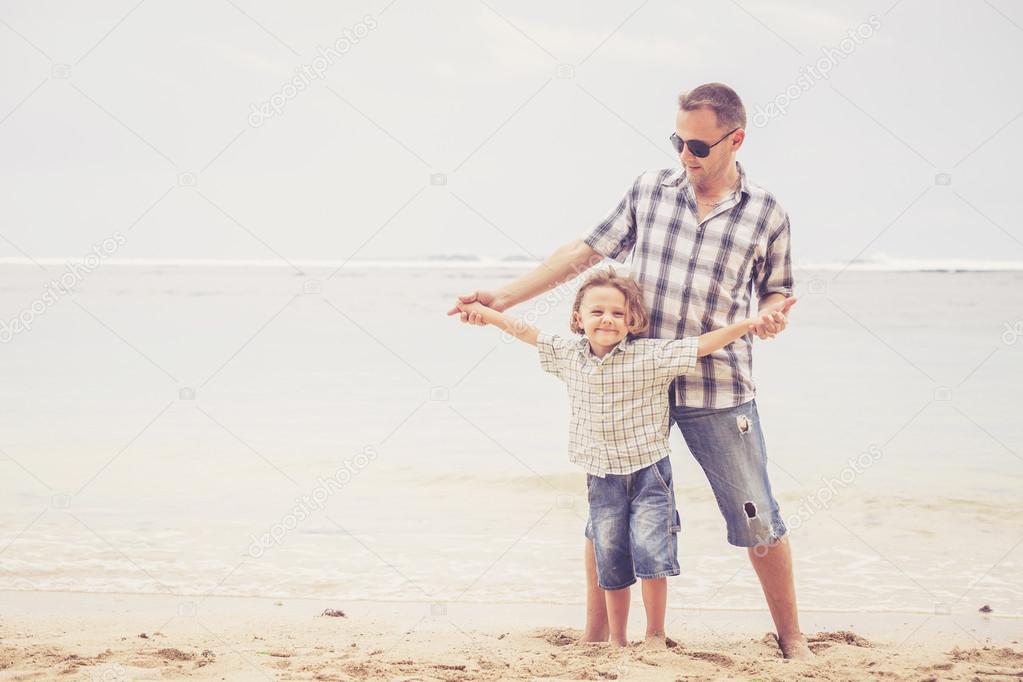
636, 317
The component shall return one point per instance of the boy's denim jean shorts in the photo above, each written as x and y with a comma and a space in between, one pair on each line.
634, 525
729, 445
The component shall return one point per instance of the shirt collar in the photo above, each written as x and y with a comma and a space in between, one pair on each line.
583, 346
678, 175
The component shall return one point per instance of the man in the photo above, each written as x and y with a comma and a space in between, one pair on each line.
702, 238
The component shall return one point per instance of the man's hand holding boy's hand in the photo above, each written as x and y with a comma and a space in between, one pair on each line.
473, 310
487, 298
773, 319
485, 314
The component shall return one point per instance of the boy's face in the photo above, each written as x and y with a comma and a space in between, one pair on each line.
603, 317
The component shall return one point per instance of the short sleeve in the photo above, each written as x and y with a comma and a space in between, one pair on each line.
774, 274
615, 236
674, 357
553, 351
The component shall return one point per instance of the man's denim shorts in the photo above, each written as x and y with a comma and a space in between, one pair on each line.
729, 445
634, 525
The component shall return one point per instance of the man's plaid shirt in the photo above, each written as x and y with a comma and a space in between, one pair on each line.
698, 276
619, 402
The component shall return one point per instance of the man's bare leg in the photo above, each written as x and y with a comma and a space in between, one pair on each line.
618, 614
773, 564
596, 629
655, 601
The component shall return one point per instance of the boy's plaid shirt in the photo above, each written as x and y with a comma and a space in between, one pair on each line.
697, 277
619, 402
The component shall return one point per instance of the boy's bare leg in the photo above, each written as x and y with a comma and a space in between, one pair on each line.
618, 614
655, 601
596, 629
773, 564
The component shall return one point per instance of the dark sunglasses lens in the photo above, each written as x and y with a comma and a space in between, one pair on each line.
699, 149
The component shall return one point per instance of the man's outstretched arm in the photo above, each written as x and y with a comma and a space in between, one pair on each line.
565, 263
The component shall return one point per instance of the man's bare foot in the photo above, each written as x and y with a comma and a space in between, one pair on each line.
623, 642
795, 648
656, 641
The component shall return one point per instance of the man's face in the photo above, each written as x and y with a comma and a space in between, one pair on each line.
702, 124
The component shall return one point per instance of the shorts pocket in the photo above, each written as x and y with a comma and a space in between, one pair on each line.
656, 468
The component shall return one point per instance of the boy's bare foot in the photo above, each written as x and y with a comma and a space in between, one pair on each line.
795, 648
594, 636
623, 642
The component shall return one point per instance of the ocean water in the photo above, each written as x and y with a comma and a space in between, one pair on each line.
247, 429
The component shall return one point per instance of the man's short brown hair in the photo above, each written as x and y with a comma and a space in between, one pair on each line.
720, 99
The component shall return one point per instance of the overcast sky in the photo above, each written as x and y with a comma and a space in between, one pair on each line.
535, 115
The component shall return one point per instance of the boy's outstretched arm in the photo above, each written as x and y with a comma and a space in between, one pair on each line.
719, 338
514, 326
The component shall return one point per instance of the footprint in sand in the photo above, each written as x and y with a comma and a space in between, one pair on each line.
711, 657
556, 637
841, 637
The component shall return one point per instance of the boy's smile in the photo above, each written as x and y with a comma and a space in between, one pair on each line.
604, 318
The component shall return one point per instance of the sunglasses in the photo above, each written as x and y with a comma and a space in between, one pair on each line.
697, 148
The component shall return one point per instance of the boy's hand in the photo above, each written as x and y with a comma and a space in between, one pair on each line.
469, 308
773, 319
487, 298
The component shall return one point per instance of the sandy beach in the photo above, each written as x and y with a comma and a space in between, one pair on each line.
74, 636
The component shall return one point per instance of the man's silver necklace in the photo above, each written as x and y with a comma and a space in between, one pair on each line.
720, 201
